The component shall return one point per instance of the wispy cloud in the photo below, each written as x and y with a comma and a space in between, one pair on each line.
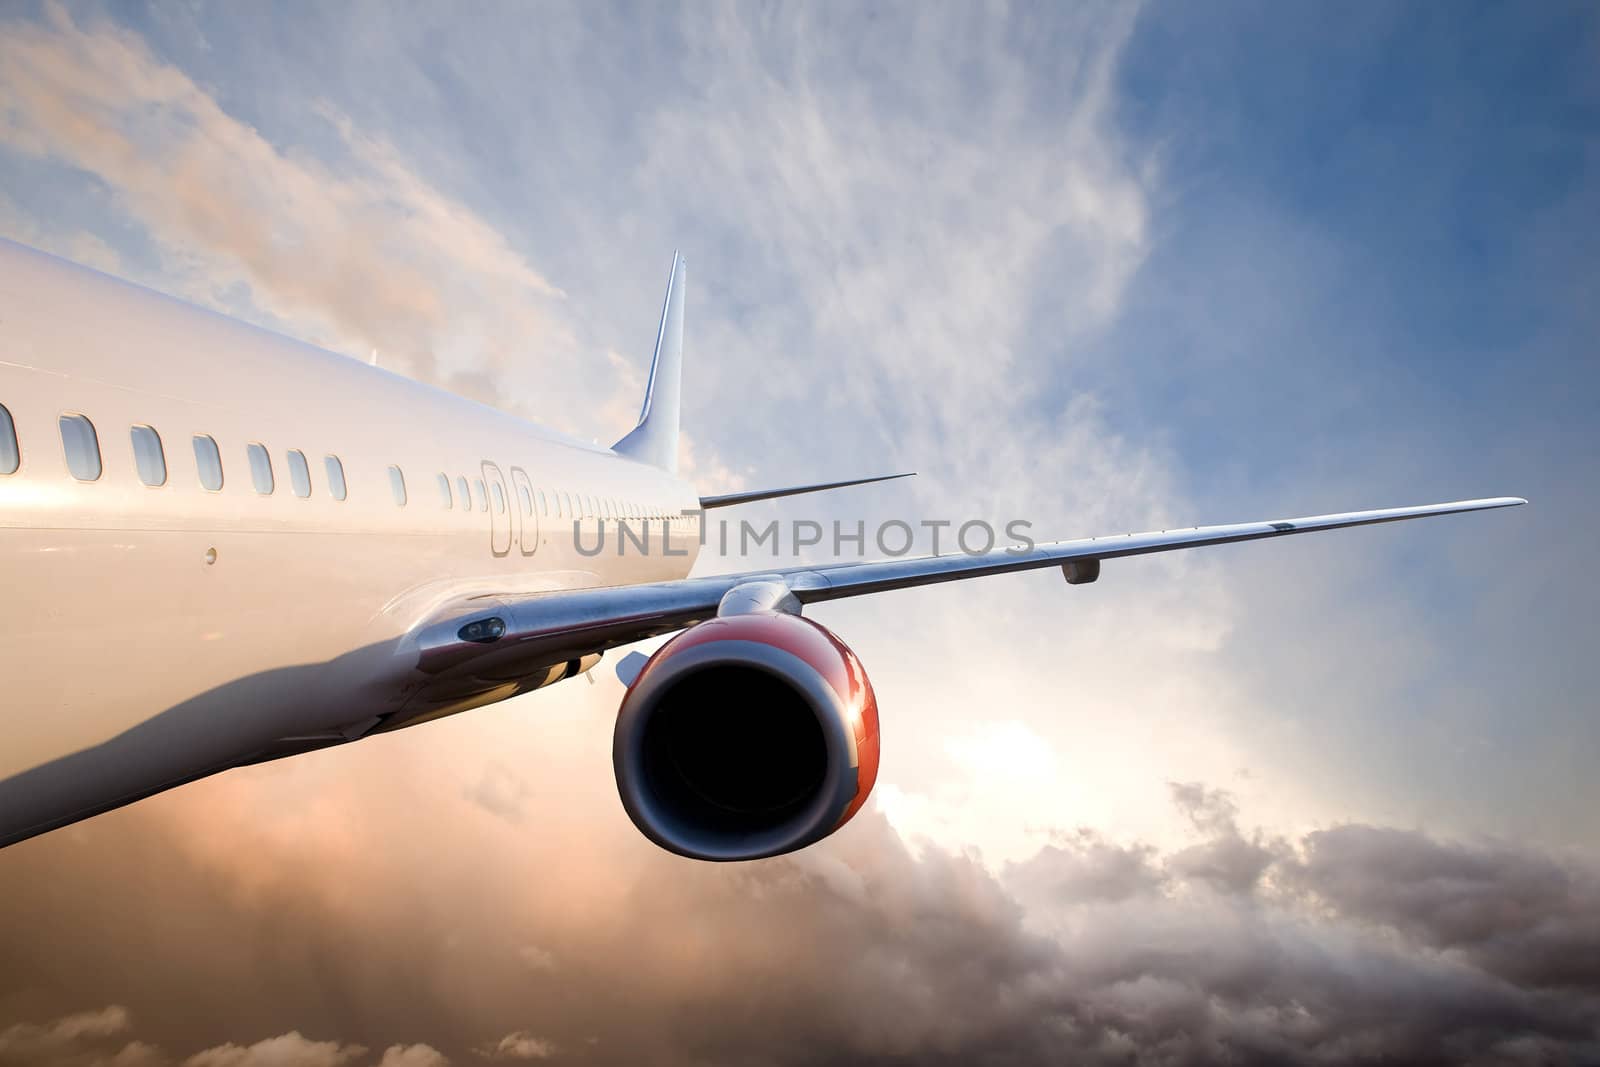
361, 252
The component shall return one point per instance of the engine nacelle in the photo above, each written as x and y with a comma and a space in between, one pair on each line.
746, 736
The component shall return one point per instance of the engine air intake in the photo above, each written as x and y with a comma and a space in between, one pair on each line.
745, 737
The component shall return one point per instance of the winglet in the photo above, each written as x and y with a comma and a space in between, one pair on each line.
655, 439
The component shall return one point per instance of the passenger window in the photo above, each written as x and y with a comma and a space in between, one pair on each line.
148, 457
527, 499
544, 504
335, 471
260, 468
208, 461
10, 458
82, 447
499, 498
563, 505
299, 473
444, 492
397, 486
463, 493
483, 497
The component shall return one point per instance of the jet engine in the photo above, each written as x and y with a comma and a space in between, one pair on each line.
746, 736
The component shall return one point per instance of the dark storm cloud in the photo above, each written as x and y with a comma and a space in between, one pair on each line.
1528, 918
486, 940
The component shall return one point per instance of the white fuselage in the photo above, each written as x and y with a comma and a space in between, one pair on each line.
156, 633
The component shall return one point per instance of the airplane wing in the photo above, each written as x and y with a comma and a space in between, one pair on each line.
503, 633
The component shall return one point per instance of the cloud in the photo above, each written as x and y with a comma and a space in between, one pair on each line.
1350, 943
412, 1056
1528, 918
1226, 860
501, 791
71, 1039
99, 1039
518, 1046
1083, 866
286, 1050
537, 958
357, 251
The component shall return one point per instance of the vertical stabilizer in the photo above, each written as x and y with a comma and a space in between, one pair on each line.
655, 439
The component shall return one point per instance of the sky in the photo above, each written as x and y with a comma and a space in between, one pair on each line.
1099, 267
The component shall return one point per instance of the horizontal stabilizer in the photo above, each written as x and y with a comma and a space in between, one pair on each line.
727, 500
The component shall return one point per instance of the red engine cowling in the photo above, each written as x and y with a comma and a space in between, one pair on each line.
746, 736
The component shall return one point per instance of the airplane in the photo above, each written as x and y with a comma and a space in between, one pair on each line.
221, 546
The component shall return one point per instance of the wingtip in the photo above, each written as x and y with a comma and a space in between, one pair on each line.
1491, 502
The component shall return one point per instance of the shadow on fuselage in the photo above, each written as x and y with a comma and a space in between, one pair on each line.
282, 712
261, 717
247, 720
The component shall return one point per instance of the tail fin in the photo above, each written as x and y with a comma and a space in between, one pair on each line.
655, 439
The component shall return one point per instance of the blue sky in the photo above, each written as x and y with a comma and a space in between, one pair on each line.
1103, 267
